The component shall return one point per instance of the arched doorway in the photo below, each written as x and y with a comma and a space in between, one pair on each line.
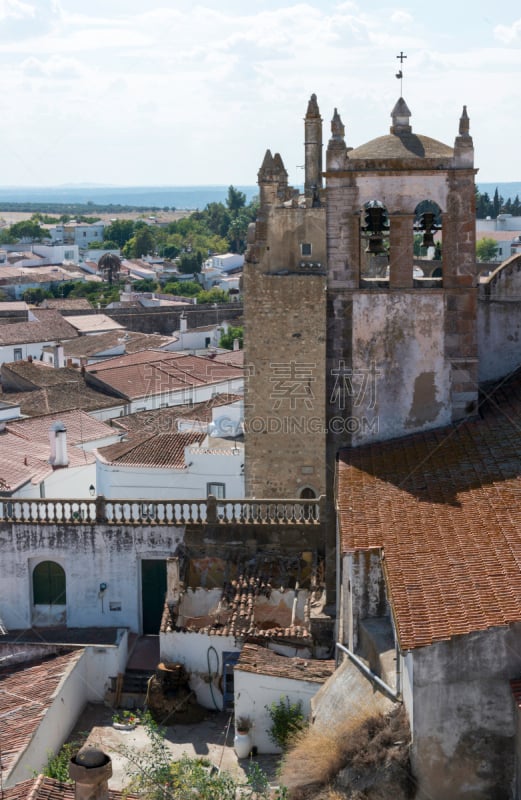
49, 594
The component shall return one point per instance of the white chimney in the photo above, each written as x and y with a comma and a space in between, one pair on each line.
236, 344
59, 357
183, 324
58, 439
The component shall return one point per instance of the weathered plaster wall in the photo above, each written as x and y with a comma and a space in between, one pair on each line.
202, 657
398, 337
89, 555
363, 592
463, 716
499, 321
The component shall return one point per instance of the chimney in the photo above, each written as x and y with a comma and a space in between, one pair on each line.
236, 344
58, 439
90, 769
183, 324
59, 358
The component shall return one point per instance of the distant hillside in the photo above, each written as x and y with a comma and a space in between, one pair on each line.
506, 190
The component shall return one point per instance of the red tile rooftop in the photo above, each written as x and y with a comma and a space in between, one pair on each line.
444, 508
26, 692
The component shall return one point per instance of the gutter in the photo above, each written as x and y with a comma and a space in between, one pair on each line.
385, 688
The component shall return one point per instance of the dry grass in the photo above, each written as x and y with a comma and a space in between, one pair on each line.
370, 748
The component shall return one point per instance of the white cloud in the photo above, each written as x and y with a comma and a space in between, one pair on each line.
508, 34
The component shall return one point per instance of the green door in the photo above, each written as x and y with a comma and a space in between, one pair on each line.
153, 592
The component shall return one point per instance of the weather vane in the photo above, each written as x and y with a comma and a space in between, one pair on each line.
399, 74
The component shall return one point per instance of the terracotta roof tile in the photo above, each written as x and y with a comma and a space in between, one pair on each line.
141, 374
49, 326
42, 788
26, 692
162, 450
262, 661
444, 508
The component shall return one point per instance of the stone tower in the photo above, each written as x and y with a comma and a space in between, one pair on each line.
285, 331
360, 300
401, 340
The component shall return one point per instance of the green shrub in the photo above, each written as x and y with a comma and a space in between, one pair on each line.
57, 766
287, 719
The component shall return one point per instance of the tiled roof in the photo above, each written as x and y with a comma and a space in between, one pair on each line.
233, 357
515, 686
68, 303
444, 507
262, 661
165, 450
42, 788
60, 398
164, 420
149, 372
50, 325
26, 692
40, 375
81, 427
132, 341
25, 446
93, 322
239, 615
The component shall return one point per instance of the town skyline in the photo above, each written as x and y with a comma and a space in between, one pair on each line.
187, 95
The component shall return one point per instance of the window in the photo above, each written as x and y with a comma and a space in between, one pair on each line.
305, 249
217, 489
49, 584
18, 354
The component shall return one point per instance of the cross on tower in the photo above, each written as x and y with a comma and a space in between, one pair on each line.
399, 74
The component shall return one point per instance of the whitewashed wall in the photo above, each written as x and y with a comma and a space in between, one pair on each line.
90, 555
254, 692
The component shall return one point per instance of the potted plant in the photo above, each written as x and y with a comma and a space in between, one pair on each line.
242, 741
125, 720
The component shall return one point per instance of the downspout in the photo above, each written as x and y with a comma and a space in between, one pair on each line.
391, 693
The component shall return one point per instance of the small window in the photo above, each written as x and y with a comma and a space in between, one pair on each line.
305, 249
217, 489
18, 355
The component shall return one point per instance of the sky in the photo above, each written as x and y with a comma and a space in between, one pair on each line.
181, 92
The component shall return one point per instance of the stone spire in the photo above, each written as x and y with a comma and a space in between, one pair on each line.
400, 116
337, 128
463, 144
312, 147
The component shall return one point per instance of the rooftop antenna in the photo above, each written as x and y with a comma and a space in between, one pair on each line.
399, 74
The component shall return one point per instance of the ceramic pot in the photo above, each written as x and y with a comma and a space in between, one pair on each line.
242, 744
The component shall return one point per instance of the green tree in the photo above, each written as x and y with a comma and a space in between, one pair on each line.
235, 200
214, 295
120, 231
183, 288
141, 244
145, 285
486, 249
28, 229
35, 296
228, 338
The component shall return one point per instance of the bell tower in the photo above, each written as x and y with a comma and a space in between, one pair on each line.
401, 283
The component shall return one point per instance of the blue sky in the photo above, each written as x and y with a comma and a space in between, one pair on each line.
186, 92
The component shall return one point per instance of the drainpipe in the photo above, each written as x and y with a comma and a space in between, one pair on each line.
295, 601
394, 695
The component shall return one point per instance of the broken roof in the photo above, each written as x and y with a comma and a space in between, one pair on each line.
443, 506
262, 661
